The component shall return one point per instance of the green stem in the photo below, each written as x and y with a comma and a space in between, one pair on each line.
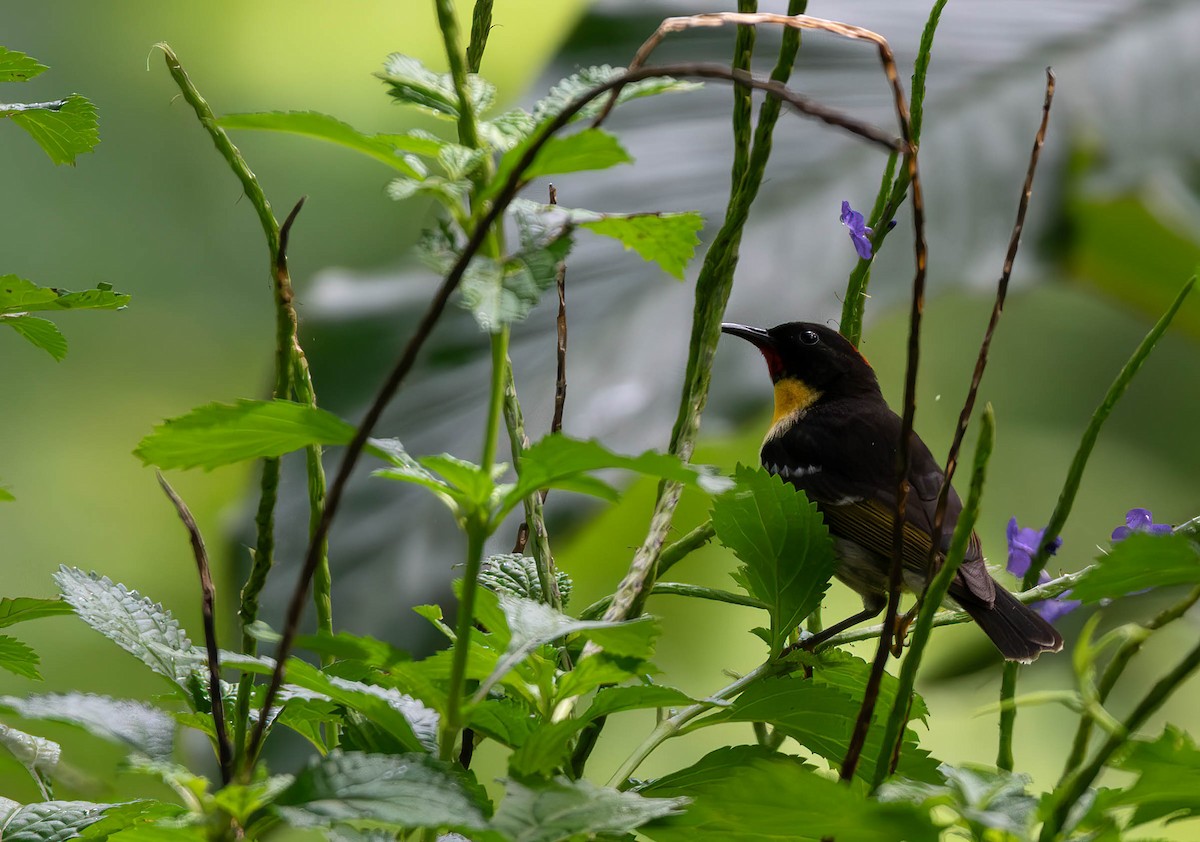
452, 722
1075, 786
539, 539
448, 24
1114, 669
496, 404
597, 608
685, 546
932, 599
1066, 499
712, 292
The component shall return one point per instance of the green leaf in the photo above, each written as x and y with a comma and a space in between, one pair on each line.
241, 801
596, 671
504, 720
546, 750
19, 609
516, 575
51, 821
557, 460
133, 724
522, 625
39, 756
407, 469
411, 723
18, 295
18, 658
501, 293
561, 809
590, 149
412, 83
141, 627
64, 128
985, 799
324, 127
752, 794
222, 434
1168, 783
589, 77
396, 791
668, 239
786, 552
41, 332
1140, 561
821, 719
137, 821
842, 671
18, 67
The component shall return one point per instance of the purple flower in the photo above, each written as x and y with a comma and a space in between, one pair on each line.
1140, 520
1023, 545
860, 234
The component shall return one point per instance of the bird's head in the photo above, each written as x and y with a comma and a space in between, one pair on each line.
810, 357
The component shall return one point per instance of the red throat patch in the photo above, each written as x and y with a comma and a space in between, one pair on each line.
774, 362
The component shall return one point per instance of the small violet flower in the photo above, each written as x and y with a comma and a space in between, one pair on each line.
1023, 545
1140, 520
860, 234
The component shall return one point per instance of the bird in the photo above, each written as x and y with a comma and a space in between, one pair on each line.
834, 437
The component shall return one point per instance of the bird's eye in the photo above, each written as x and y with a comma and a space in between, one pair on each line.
809, 337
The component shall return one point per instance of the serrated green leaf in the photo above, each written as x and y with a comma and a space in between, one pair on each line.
561, 809
504, 720
783, 544
38, 755
401, 792
468, 482
52, 821
589, 77
409, 721
556, 459
18, 658
138, 821
451, 193
847, 673
411, 82
18, 295
753, 794
501, 293
590, 149
19, 609
1168, 783
323, 127
516, 575
242, 800
43, 333
821, 719
223, 434
64, 128
522, 625
984, 798
141, 627
546, 750
130, 723
1140, 561
668, 239
597, 671
18, 67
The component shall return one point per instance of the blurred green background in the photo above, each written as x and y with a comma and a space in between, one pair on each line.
155, 212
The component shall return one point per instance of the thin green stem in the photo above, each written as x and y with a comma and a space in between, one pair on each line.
468, 135
597, 608
892, 188
932, 599
1066, 499
452, 722
743, 100
491, 434
1076, 785
1113, 670
674, 553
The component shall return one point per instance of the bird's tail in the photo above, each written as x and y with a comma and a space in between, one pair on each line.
1019, 632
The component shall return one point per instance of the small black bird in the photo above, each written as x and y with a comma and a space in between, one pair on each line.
834, 437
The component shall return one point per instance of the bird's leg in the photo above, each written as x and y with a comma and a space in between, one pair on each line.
900, 634
871, 609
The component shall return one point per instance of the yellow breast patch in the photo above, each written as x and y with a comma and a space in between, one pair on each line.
792, 398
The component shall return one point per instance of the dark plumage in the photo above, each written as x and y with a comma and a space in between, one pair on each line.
834, 437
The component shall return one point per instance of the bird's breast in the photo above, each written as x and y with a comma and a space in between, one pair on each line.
793, 397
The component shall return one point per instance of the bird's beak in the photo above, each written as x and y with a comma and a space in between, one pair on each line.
756, 336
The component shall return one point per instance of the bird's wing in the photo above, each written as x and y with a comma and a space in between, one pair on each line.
857, 495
